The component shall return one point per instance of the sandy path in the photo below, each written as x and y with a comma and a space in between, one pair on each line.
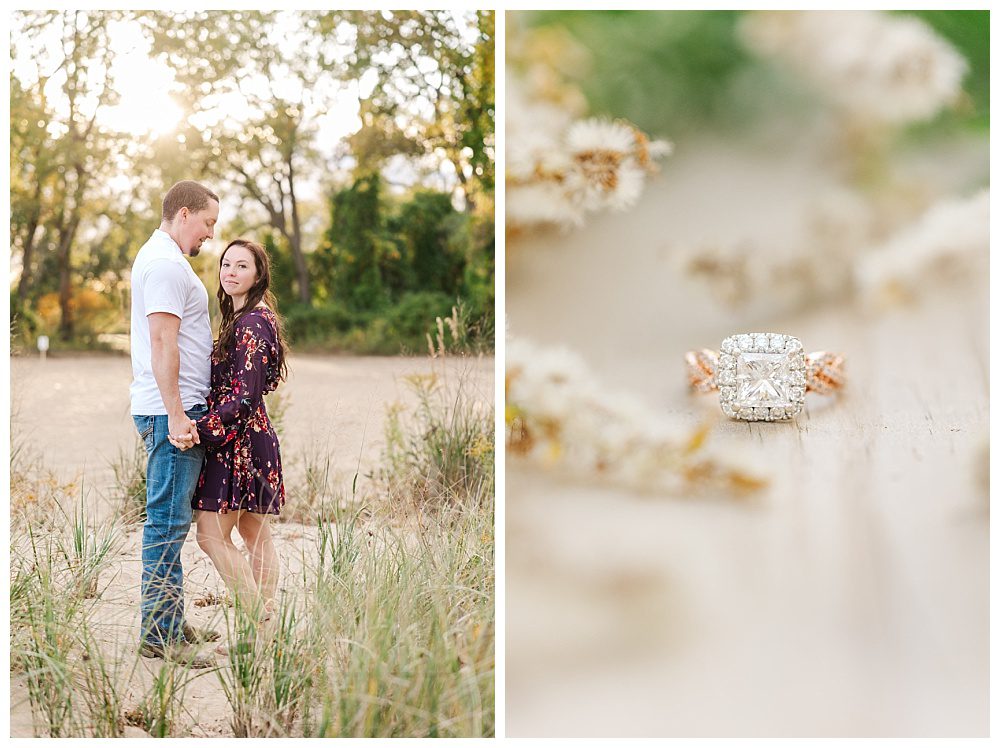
74, 413
75, 410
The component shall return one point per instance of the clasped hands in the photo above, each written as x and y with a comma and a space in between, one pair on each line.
182, 433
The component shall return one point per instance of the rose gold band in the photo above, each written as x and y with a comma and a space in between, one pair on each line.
824, 371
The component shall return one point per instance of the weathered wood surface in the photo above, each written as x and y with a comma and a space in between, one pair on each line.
852, 599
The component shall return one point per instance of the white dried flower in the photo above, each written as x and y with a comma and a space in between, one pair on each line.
950, 240
558, 414
877, 67
541, 203
804, 257
610, 164
534, 129
599, 135
560, 167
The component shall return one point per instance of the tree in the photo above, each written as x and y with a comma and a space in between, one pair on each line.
256, 86
351, 245
83, 64
426, 224
265, 151
435, 83
32, 171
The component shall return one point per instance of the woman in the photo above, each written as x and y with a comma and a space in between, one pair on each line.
241, 482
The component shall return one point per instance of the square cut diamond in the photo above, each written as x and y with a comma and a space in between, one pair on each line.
763, 377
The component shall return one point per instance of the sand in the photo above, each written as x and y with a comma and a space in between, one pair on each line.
73, 411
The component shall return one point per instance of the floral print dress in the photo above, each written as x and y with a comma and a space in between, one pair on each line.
242, 467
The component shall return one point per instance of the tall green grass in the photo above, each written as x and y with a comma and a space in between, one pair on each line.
391, 632
440, 454
73, 688
388, 631
129, 487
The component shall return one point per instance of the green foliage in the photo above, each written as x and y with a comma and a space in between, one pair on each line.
350, 251
410, 624
701, 73
305, 325
402, 327
84, 197
409, 321
128, 491
461, 333
968, 31
92, 545
282, 268
388, 268
72, 688
49, 617
386, 629
459, 128
24, 324
688, 58
430, 229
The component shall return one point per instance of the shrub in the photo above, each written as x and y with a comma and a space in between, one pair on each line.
304, 324
442, 453
408, 322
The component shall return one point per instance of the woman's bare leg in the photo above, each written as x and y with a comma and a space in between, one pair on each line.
215, 539
255, 529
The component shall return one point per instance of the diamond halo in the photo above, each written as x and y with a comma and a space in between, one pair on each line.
761, 376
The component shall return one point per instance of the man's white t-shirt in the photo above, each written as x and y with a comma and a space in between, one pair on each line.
163, 281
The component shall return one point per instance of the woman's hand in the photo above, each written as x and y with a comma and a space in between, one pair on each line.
182, 432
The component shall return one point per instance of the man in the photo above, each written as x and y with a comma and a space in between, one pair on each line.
171, 338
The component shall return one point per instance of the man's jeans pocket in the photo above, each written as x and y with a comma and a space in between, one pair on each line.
144, 425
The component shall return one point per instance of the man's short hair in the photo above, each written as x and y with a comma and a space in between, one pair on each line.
186, 194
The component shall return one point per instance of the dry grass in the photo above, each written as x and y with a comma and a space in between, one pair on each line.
386, 629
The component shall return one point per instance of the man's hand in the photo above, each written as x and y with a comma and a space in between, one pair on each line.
163, 331
182, 431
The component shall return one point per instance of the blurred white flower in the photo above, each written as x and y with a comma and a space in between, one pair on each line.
809, 259
599, 135
559, 415
562, 166
951, 240
541, 203
877, 67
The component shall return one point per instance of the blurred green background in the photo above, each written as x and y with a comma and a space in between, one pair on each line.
675, 72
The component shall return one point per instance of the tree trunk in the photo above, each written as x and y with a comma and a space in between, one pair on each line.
65, 280
301, 270
66, 322
463, 181
29, 245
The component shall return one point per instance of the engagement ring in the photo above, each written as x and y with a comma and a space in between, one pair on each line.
764, 376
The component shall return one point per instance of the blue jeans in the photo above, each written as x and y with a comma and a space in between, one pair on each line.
171, 478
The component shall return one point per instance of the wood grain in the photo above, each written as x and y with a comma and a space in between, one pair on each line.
851, 600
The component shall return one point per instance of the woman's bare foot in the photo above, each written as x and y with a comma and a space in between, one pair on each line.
268, 623
242, 646
267, 628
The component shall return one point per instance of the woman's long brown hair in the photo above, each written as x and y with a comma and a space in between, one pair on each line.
259, 291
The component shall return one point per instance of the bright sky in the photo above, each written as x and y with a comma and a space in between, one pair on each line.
144, 83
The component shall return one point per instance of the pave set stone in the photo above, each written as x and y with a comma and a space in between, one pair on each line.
761, 376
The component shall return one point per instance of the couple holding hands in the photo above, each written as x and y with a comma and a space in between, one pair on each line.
198, 404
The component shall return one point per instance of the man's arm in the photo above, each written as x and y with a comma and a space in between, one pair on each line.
163, 329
